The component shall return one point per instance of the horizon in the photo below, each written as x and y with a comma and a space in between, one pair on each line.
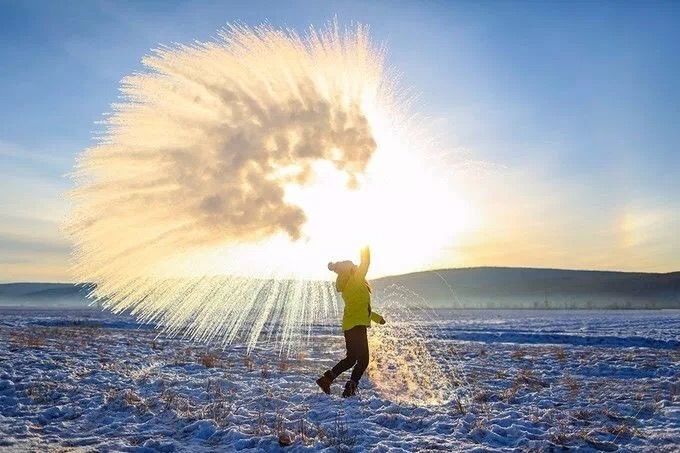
382, 277
518, 97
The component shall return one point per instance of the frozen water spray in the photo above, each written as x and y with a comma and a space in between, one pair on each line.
231, 171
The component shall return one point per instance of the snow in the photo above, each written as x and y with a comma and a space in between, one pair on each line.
593, 380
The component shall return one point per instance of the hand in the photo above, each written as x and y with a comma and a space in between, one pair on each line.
382, 321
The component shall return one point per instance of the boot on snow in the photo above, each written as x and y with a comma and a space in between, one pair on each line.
325, 382
350, 389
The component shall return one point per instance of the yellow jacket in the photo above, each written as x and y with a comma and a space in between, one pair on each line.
356, 293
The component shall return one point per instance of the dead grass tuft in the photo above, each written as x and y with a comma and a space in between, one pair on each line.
132, 399
529, 379
339, 437
519, 354
560, 437
583, 414
560, 354
21, 340
249, 363
572, 385
482, 396
209, 360
621, 431
459, 406
39, 392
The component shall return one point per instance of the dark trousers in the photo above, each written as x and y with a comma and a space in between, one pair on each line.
356, 343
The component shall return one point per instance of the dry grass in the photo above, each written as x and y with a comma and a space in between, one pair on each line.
20, 340
508, 395
481, 396
609, 413
133, 399
301, 432
177, 402
249, 363
560, 436
622, 431
529, 379
583, 414
339, 437
500, 374
40, 392
125, 398
218, 411
459, 406
525, 379
573, 386
519, 354
209, 360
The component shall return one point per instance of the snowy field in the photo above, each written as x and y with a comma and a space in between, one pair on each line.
533, 381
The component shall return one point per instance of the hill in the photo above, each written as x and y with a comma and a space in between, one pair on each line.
44, 295
502, 287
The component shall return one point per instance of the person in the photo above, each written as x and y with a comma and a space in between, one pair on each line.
357, 316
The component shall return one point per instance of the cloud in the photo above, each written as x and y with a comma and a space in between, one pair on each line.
40, 255
31, 245
10, 244
19, 160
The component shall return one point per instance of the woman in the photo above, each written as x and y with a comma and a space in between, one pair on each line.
357, 316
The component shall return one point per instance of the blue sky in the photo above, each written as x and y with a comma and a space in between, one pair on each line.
574, 106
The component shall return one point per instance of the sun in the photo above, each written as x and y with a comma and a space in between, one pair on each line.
405, 207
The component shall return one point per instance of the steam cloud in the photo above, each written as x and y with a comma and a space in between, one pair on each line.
203, 145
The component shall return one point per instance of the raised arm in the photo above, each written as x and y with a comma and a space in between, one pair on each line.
339, 283
365, 261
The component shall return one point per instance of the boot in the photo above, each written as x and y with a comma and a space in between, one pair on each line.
350, 389
325, 382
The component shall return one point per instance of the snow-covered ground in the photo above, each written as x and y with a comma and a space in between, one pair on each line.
91, 381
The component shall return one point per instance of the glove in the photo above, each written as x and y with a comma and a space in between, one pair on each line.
375, 317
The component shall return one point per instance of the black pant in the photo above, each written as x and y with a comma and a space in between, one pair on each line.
356, 343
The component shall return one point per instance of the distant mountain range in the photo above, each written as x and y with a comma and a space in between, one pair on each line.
503, 287
480, 287
46, 295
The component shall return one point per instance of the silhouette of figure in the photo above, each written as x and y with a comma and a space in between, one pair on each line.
357, 316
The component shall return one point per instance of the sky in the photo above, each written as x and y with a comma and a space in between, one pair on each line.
558, 119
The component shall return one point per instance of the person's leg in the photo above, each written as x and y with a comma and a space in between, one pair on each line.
362, 354
351, 357
329, 376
